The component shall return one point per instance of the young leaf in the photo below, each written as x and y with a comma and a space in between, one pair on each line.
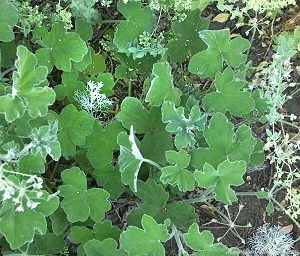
60, 48
8, 19
137, 21
146, 241
162, 88
177, 174
183, 127
227, 174
220, 49
187, 33
133, 113
223, 143
74, 126
203, 242
130, 159
93, 202
229, 95
27, 90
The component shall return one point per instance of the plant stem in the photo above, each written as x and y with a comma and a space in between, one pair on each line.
176, 234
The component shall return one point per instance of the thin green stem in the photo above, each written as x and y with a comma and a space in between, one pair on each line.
176, 234
291, 124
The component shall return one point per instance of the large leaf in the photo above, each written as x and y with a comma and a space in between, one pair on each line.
229, 95
162, 87
60, 48
146, 241
137, 21
28, 90
220, 49
93, 202
187, 36
223, 143
177, 174
8, 19
220, 179
183, 127
74, 126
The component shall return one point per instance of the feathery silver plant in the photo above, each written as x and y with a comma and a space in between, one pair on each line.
271, 241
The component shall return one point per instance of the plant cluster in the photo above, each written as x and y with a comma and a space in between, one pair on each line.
103, 150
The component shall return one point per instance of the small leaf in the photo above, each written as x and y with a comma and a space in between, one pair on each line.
227, 174
221, 17
177, 174
162, 88
183, 127
146, 241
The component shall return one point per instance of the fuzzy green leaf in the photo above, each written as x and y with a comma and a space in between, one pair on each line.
93, 202
101, 143
203, 242
227, 174
187, 36
183, 127
8, 19
133, 113
162, 88
223, 143
229, 95
137, 21
28, 90
220, 49
61, 48
74, 126
107, 247
146, 241
177, 174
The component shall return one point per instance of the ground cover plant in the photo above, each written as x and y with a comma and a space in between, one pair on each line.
149, 127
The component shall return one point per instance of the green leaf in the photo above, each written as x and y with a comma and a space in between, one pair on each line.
227, 174
137, 21
223, 143
69, 85
32, 164
146, 241
162, 88
183, 127
109, 177
83, 29
59, 221
28, 92
203, 242
133, 113
61, 48
93, 202
107, 247
74, 126
177, 174
187, 36
19, 228
101, 143
130, 159
98, 64
8, 19
50, 243
220, 49
229, 95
